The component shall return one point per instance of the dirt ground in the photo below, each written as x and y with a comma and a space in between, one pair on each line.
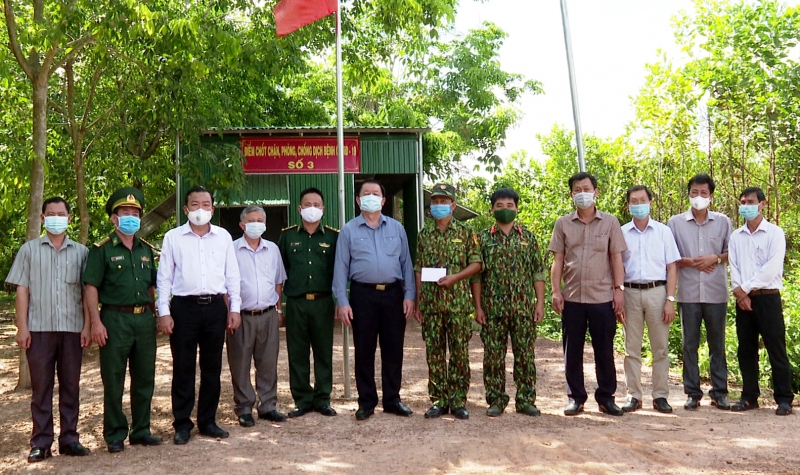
706, 441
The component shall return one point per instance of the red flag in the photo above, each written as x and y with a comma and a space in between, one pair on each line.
293, 14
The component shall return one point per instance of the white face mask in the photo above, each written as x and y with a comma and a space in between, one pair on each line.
370, 203
254, 230
56, 225
311, 214
200, 216
583, 200
700, 202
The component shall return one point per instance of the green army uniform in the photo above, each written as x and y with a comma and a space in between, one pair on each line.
511, 264
309, 259
123, 279
446, 312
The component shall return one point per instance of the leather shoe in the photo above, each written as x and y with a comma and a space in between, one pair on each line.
692, 403
363, 413
181, 437
744, 405
461, 413
784, 409
213, 430
632, 405
529, 410
116, 446
326, 410
434, 412
246, 420
74, 449
610, 408
297, 412
494, 411
573, 409
276, 416
660, 404
148, 441
37, 454
398, 409
721, 403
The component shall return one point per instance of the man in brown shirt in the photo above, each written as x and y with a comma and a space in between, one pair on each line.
587, 246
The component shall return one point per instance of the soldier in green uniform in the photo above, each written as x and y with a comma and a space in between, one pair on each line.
505, 293
443, 302
121, 277
308, 252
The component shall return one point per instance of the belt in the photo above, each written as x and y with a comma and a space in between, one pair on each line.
314, 296
646, 285
199, 299
380, 287
757, 292
134, 309
255, 313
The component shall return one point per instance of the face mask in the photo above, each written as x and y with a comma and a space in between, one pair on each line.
640, 211
505, 215
128, 225
56, 224
583, 200
254, 230
200, 216
748, 212
440, 211
699, 202
370, 203
311, 214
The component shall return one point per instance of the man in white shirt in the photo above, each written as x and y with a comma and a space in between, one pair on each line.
756, 252
198, 299
651, 274
262, 276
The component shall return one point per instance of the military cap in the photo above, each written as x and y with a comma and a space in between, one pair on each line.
127, 196
443, 189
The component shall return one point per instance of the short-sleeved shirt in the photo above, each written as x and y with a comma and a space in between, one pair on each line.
587, 249
260, 270
454, 249
695, 239
122, 276
53, 280
649, 252
511, 264
308, 259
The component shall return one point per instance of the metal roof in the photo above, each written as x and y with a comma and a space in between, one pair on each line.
315, 130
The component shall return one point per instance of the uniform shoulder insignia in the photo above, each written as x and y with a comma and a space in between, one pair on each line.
102, 242
150, 245
290, 227
331, 229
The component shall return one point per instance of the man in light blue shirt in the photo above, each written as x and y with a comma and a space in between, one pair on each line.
372, 254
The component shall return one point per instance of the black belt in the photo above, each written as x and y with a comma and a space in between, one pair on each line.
199, 299
757, 292
256, 313
381, 287
646, 285
134, 309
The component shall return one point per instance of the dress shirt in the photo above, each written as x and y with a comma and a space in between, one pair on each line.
197, 265
757, 258
53, 280
695, 239
649, 252
261, 270
372, 256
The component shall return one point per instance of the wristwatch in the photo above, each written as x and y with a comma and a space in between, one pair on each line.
670, 298
279, 310
719, 259
620, 287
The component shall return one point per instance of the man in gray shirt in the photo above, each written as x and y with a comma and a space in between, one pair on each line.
52, 327
372, 253
702, 238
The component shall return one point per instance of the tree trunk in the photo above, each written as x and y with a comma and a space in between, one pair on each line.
80, 188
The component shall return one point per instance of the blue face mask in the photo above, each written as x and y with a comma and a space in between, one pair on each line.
370, 203
640, 211
440, 211
748, 212
128, 225
56, 225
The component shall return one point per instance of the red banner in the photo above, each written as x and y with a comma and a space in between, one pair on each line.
299, 154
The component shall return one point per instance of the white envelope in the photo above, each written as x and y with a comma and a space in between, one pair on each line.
433, 274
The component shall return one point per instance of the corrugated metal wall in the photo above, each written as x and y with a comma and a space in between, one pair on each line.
328, 184
389, 153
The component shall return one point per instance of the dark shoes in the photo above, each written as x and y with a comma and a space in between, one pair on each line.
784, 409
610, 408
398, 409
181, 437
74, 449
276, 416
147, 441
529, 410
116, 446
38, 454
692, 403
494, 411
246, 420
573, 409
632, 405
435, 411
363, 413
721, 403
325, 410
213, 430
299, 412
744, 405
461, 413
659, 404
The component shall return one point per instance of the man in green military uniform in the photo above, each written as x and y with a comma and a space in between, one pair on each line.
511, 284
308, 252
447, 255
121, 276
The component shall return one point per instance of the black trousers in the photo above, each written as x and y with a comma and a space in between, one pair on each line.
196, 326
378, 316
766, 319
602, 326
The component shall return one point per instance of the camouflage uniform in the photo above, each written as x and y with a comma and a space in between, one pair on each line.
511, 265
446, 312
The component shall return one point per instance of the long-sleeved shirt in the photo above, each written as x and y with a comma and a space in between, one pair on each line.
757, 258
649, 252
260, 270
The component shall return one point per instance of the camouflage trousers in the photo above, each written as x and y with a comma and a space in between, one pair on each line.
495, 335
447, 383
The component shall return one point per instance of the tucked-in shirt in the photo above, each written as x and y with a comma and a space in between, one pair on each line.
122, 276
757, 258
53, 280
649, 252
260, 270
197, 265
454, 249
308, 259
587, 249
695, 239
372, 256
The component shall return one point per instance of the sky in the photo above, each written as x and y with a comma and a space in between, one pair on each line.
612, 40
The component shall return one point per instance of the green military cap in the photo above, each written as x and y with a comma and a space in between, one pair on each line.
443, 189
126, 196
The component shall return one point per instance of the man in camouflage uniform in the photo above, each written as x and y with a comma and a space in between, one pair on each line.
511, 284
443, 306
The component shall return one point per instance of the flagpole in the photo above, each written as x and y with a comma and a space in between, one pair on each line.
573, 87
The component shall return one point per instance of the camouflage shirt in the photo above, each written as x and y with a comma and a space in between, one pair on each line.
455, 249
